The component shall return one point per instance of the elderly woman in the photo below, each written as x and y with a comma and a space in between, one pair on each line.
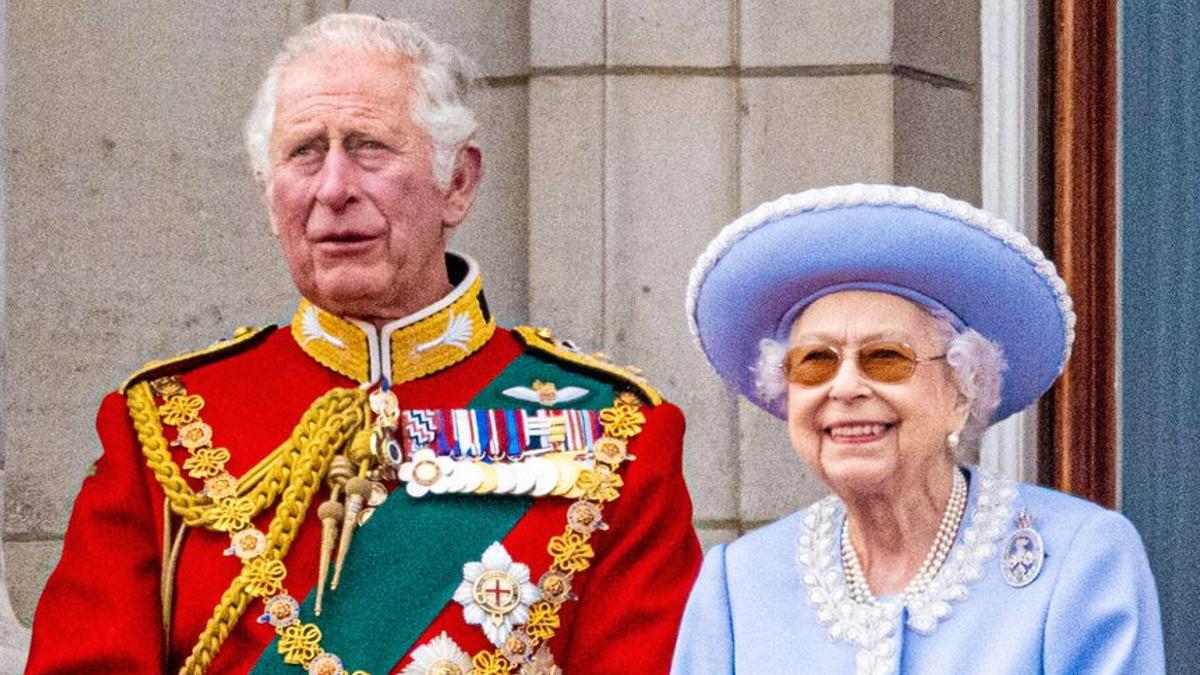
884, 325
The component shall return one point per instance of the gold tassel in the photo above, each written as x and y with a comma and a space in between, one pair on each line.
358, 489
364, 453
330, 514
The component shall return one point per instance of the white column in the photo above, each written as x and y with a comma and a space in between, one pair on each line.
1009, 46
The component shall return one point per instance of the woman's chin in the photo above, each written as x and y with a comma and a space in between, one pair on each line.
853, 470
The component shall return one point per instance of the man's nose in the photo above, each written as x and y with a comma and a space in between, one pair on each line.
336, 187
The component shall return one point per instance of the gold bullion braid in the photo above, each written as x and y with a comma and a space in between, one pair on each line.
144, 414
263, 482
326, 428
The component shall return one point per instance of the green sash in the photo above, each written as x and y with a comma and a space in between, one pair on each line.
406, 562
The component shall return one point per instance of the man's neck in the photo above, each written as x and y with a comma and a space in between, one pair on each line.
413, 303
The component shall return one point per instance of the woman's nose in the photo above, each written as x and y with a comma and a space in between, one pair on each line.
848, 381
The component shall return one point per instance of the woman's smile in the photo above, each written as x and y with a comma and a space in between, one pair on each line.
858, 433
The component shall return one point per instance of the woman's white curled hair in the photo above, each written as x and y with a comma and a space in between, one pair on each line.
439, 105
978, 366
769, 380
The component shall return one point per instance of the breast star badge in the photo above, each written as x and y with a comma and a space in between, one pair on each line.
496, 593
439, 656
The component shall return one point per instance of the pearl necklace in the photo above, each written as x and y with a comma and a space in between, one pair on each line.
856, 581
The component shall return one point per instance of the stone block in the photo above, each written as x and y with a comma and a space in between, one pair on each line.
815, 32
937, 139
566, 33
29, 565
935, 36
670, 185
307, 11
494, 34
803, 132
939, 37
14, 637
566, 207
14, 654
495, 232
133, 227
712, 537
682, 33
775, 481
46, 469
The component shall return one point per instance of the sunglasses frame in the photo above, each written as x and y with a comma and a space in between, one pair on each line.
841, 353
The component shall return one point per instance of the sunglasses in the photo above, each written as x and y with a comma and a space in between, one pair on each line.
887, 362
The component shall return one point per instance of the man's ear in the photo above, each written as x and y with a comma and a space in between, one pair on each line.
468, 169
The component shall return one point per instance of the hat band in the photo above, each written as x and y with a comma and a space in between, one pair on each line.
784, 328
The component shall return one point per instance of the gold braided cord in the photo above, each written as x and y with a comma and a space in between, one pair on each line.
231, 607
261, 484
327, 427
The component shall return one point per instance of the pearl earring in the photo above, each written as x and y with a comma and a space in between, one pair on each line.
952, 441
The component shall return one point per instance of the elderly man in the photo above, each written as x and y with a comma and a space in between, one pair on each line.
394, 484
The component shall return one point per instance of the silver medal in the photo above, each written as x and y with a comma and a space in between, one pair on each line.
1024, 553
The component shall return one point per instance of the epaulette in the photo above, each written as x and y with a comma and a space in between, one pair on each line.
243, 337
542, 341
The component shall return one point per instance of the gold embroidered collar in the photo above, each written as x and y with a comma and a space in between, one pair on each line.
417, 345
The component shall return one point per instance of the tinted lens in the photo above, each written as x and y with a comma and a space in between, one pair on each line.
812, 365
887, 362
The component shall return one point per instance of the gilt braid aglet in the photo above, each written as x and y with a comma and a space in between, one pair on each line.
332, 417
140, 403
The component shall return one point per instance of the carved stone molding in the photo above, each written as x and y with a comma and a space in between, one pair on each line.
1009, 107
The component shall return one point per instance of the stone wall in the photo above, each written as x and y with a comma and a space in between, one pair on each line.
618, 137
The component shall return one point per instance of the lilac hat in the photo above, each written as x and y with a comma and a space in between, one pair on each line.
763, 269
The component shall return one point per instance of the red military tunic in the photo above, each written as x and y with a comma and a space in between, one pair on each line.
101, 611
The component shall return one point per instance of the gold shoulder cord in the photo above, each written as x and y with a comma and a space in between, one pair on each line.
227, 504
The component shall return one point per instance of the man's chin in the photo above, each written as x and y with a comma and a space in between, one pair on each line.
349, 295
372, 293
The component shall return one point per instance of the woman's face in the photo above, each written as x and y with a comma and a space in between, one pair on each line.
863, 436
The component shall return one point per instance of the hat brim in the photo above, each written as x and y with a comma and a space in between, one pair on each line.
753, 283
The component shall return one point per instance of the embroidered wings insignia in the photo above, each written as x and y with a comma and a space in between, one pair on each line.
458, 333
312, 329
564, 395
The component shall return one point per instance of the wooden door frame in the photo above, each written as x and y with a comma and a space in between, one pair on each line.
1078, 224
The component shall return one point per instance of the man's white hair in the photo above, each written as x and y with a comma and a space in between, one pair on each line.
977, 363
438, 107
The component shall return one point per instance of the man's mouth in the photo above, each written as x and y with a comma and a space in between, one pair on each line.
345, 244
345, 238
